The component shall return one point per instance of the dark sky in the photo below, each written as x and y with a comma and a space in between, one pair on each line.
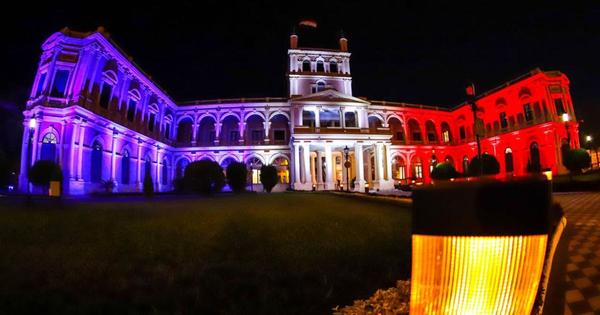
417, 52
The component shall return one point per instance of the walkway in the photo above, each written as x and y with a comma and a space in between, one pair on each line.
583, 269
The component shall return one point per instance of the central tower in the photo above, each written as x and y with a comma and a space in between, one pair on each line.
312, 70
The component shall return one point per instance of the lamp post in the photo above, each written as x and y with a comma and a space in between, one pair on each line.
470, 90
565, 119
347, 166
32, 126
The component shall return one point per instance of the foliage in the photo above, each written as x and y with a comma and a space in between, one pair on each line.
148, 186
204, 177
488, 166
43, 172
108, 185
444, 171
268, 177
576, 160
237, 175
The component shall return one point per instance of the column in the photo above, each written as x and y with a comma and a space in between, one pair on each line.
328, 168
242, 129
157, 169
139, 164
74, 132
296, 162
306, 161
195, 130
267, 126
113, 156
319, 170
80, 147
388, 161
217, 132
378, 166
359, 184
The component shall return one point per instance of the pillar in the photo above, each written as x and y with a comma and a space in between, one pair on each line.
359, 184
267, 125
319, 170
313, 174
242, 128
306, 163
328, 168
296, 164
80, 147
113, 156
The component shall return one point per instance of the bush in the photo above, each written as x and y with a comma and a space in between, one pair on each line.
576, 160
444, 171
108, 186
237, 175
148, 186
268, 177
489, 163
43, 172
203, 177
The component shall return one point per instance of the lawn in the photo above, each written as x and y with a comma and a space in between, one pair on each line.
287, 253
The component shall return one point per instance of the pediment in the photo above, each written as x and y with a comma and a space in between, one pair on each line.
328, 96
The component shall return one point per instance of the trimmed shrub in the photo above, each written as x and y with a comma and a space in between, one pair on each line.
148, 186
444, 171
237, 175
43, 172
488, 162
576, 160
268, 177
203, 177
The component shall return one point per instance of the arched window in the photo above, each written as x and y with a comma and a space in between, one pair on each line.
226, 163
508, 160
320, 66
350, 119
96, 163
59, 86
396, 128
180, 168
417, 168
374, 122
534, 158
431, 133
414, 131
465, 165
329, 117
105, 94
131, 105
320, 87
308, 118
125, 168
147, 167
184, 131
49, 147
446, 134
165, 173
306, 66
282, 165
398, 168
333, 66
254, 164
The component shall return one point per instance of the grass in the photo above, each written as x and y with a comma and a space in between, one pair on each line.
288, 253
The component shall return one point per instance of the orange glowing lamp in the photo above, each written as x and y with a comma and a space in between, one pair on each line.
476, 251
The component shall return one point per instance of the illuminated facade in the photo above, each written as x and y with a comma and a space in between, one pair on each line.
102, 118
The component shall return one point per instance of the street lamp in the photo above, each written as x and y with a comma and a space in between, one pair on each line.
347, 166
565, 119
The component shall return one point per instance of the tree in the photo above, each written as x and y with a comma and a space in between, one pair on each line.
148, 186
237, 176
444, 171
576, 160
268, 177
43, 172
203, 177
488, 165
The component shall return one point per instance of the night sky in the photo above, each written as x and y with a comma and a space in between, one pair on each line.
418, 53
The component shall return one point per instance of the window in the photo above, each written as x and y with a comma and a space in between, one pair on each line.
151, 120
400, 135
234, 135
560, 108
320, 66
463, 134
254, 165
147, 167
105, 95
308, 118
503, 120
125, 168
528, 112
40, 86
279, 135
446, 136
534, 158
60, 83
398, 168
330, 118
257, 136
333, 66
350, 119
508, 160
212, 136
131, 109
48, 151
465, 165
96, 165
418, 170
306, 65
320, 86
167, 130
165, 173
430, 136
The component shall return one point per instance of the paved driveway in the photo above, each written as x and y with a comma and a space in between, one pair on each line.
583, 269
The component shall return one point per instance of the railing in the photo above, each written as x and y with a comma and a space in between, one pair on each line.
235, 100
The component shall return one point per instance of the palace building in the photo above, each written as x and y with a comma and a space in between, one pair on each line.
97, 114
